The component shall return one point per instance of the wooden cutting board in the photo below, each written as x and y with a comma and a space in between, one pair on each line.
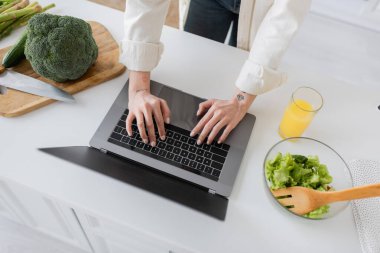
15, 103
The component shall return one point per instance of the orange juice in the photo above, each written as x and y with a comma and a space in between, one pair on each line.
296, 119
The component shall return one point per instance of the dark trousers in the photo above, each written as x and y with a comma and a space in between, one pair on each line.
212, 19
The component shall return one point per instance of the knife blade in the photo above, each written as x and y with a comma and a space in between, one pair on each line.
17, 81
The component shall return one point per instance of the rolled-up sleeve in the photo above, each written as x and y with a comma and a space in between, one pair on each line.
141, 48
259, 73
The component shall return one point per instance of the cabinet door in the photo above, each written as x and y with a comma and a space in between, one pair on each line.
106, 236
41, 213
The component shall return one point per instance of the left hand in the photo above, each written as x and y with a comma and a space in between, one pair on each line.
220, 114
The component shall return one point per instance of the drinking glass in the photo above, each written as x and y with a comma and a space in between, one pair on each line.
304, 104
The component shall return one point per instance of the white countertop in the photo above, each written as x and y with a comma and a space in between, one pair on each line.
349, 122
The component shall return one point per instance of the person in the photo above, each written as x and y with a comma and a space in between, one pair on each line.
265, 27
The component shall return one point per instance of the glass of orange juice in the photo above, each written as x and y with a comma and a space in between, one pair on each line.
304, 104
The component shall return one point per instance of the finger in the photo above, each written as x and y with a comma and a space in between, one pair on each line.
208, 127
141, 126
216, 130
204, 106
165, 111
159, 122
225, 134
206, 118
131, 117
150, 126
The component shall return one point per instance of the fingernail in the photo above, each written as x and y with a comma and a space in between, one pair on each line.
163, 137
199, 142
153, 143
192, 134
167, 120
145, 141
219, 141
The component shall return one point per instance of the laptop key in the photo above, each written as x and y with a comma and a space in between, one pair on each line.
184, 153
207, 162
218, 158
185, 146
216, 165
192, 149
170, 156
162, 153
193, 164
206, 147
216, 173
169, 133
191, 141
208, 170
219, 151
218, 145
147, 147
177, 144
185, 161
140, 144
201, 167
226, 147
169, 148
199, 159
125, 139
176, 136
177, 151
184, 138
161, 145
177, 158
169, 141
200, 152
155, 150
116, 136
191, 156
208, 155
132, 142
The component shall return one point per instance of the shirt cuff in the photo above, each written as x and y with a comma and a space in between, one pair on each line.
140, 56
256, 79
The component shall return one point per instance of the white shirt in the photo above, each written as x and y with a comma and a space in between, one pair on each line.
266, 27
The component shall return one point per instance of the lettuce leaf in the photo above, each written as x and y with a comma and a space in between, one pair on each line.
286, 170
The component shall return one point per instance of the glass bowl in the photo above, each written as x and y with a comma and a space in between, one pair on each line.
336, 166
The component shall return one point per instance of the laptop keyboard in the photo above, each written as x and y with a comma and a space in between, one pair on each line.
178, 149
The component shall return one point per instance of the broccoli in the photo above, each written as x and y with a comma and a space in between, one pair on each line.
60, 48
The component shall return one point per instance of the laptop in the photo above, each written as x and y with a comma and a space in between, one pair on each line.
212, 167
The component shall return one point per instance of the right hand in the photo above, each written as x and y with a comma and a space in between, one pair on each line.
143, 106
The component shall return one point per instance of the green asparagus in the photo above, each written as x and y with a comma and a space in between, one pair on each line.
22, 21
8, 5
16, 13
19, 6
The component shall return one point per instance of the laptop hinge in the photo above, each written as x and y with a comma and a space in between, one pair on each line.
211, 191
103, 150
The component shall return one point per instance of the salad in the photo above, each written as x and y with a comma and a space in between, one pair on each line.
297, 170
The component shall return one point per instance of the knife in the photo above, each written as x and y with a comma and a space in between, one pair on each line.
17, 81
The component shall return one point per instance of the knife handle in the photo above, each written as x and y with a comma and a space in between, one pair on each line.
2, 69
